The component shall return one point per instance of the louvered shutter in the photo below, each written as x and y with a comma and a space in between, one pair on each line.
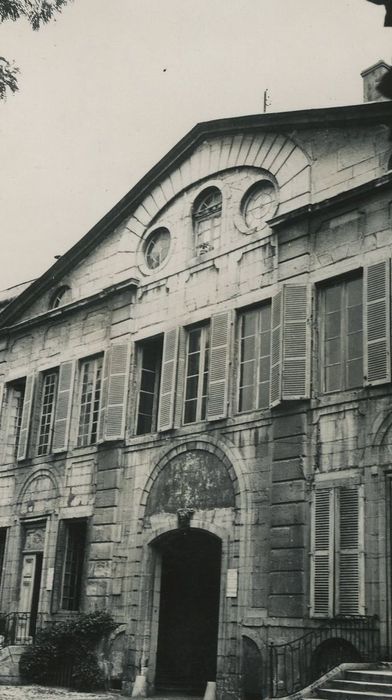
377, 331
116, 391
218, 375
168, 380
1, 398
322, 553
276, 349
63, 406
349, 550
26, 418
181, 364
296, 343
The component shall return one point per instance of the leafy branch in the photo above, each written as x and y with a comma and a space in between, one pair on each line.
36, 12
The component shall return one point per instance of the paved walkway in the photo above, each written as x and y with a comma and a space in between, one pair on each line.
36, 692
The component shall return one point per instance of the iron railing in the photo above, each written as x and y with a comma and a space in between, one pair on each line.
296, 664
20, 627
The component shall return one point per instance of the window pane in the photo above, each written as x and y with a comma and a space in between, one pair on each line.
354, 319
264, 369
73, 565
248, 348
247, 374
246, 402
333, 325
264, 395
333, 351
249, 320
354, 373
194, 340
190, 411
333, 378
265, 343
147, 382
193, 364
192, 385
333, 298
354, 346
47, 413
354, 292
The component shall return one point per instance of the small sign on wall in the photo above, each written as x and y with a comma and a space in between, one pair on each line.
49, 579
232, 583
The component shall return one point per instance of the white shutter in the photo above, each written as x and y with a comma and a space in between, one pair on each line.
322, 553
377, 331
117, 391
218, 374
349, 599
1, 398
181, 365
104, 396
168, 380
63, 406
26, 417
296, 343
276, 349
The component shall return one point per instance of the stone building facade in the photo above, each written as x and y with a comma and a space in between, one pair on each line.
196, 405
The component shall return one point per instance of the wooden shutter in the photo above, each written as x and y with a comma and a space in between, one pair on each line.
349, 551
377, 331
1, 398
322, 553
181, 367
218, 374
104, 396
63, 406
276, 349
26, 417
296, 343
168, 380
116, 391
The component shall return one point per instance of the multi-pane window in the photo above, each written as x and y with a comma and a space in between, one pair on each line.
342, 335
207, 215
255, 350
150, 369
337, 562
91, 380
75, 545
196, 379
48, 404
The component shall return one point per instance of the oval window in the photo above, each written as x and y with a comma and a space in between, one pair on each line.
156, 248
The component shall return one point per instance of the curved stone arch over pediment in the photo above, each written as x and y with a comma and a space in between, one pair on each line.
275, 153
38, 494
180, 467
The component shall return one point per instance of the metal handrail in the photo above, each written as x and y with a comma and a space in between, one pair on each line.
294, 664
19, 628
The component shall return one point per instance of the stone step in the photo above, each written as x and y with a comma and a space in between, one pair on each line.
370, 675
360, 685
344, 694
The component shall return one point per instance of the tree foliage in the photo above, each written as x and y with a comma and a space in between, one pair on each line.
36, 12
70, 644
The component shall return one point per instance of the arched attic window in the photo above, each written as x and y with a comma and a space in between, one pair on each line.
207, 217
61, 296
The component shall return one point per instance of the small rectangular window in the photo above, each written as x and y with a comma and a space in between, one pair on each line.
342, 335
150, 357
255, 351
91, 381
48, 405
196, 376
75, 546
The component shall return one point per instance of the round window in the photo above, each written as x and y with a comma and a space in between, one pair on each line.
259, 204
157, 248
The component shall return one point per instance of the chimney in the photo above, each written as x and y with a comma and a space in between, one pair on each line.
371, 77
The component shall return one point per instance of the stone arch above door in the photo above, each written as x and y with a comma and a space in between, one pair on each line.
38, 494
196, 477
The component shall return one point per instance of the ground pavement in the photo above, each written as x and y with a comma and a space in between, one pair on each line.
36, 692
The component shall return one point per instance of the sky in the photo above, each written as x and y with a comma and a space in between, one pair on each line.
111, 85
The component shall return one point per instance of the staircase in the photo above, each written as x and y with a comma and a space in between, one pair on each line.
370, 683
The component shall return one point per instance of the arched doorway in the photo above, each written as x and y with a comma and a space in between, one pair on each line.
188, 610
